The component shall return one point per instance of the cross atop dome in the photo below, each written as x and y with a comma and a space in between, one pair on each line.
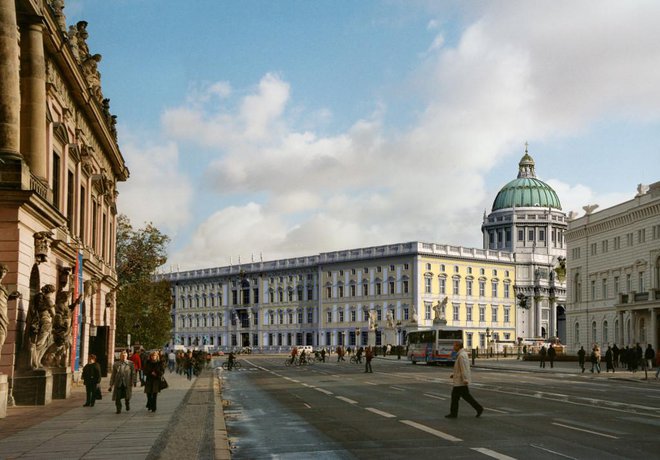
526, 165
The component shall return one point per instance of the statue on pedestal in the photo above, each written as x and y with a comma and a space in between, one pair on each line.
5, 297
40, 325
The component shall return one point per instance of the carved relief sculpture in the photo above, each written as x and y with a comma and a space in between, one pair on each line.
41, 245
40, 324
58, 352
5, 297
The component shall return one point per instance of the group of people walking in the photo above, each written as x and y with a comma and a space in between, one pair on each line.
630, 358
126, 373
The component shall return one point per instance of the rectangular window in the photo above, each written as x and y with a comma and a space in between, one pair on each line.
482, 313
617, 242
341, 316
507, 292
593, 289
328, 292
340, 290
656, 232
616, 285
482, 288
629, 239
310, 293
405, 287
493, 310
628, 284
405, 266
541, 235
604, 246
468, 312
521, 235
353, 316
56, 180
594, 249
603, 289
391, 284
457, 310
640, 283
406, 314
493, 286
328, 316
457, 285
530, 235
352, 290
427, 311
310, 315
443, 286
507, 314
83, 214
468, 287
70, 196
641, 235
379, 288
427, 285
365, 289
300, 317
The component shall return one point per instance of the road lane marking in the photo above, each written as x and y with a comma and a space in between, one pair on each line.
323, 390
496, 410
306, 385
307, 406
434, 396
380, 412
430, 430
553, 452
398, 389
370, 383
492, 453
586, 431
349, 401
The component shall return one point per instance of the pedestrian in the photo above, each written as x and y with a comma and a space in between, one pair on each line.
189, 364
609, 360
649, 355
171, 361
369, 355
595, 358
137, 363
323, 354
552, 353
153, 371
461, 379
358, 355
581, 354
123, 379
91, 376
615, 354
657, 363
542, 355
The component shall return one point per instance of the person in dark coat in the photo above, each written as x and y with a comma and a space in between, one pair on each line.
609, 360
369, 355
542, 354
91, 375
552, 353
581, 354
153, 371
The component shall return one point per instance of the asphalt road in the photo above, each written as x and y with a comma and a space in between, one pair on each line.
336, 411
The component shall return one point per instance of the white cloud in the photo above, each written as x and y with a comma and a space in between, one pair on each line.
157, 191
522, 71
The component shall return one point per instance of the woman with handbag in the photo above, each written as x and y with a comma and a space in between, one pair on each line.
153, 371
91, 375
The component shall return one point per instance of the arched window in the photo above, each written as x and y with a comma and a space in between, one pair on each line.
617, 339
594, 332
605, 333
577, 287
642, 331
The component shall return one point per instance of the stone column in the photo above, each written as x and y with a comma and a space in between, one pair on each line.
653, 340
10, 96
33, 107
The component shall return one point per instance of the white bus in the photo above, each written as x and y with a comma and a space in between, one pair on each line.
434, 345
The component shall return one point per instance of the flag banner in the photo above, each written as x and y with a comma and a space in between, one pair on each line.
77, 315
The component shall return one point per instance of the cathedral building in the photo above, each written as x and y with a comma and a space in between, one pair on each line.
59, 167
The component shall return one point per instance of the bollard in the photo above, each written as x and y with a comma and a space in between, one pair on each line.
473, 356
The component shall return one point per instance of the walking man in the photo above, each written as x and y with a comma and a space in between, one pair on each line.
552, 353
542, 354
461, 380
122, 379
369, 355
581, 354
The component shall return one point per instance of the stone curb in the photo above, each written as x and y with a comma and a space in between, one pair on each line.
221, 440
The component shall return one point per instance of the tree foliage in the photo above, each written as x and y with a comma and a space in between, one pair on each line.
143, 305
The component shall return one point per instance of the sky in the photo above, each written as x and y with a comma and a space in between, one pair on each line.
275, 129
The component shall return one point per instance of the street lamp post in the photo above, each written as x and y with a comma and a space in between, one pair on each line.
357, 337
488, 352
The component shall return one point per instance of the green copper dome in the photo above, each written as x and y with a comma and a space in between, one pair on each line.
526, 190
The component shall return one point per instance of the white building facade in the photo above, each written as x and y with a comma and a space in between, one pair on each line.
614, 273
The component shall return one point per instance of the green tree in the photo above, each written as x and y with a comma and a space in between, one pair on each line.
143, 305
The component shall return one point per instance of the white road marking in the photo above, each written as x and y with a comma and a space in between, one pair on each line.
398, 389
586, 431
496, 410
370, 383
434, 396
492, 453
553, 452
323, 390
295, 381
430, 430
380, 412
308, 406
350, 401
306, 385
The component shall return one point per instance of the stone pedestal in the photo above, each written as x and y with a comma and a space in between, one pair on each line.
33, 388
62, 378
4, 393
371, 338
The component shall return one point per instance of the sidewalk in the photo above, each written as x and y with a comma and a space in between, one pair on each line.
65, 429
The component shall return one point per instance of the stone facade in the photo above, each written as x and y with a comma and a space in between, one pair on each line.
59, 166
614, 273
354, 297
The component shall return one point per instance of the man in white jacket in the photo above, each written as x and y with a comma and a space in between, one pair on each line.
461, 380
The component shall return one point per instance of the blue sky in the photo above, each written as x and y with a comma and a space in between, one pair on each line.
287, 128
